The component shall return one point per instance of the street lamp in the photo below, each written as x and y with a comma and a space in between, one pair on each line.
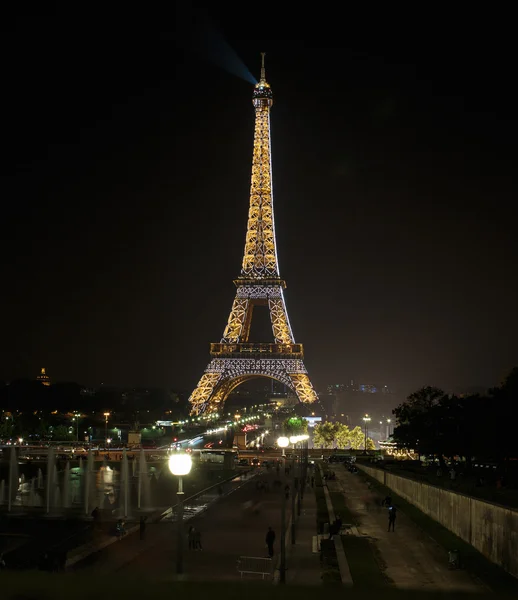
293, 440
106, 415
283, 442
388, 428
180, 465
366, 420
76, 419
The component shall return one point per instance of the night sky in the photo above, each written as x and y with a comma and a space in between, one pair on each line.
127, 143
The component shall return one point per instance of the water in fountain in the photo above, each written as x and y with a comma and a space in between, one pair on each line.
13, 479
57, 498
51, 466
2, 492
32, 493
124, 485
40, 479
66, 486
89, 482
22, 478
144, 500
80, 464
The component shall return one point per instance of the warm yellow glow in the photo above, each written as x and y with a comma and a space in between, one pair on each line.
283, 442
180, 464
234, 361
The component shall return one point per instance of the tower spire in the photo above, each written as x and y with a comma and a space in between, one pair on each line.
263, 73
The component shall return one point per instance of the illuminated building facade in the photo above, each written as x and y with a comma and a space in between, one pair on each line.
43, 378
235, 360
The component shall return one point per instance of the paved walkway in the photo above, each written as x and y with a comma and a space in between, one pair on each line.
412, 559
303, 565
227, 531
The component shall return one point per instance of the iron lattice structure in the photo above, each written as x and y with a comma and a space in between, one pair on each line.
235, 360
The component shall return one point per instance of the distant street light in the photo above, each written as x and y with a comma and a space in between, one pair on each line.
283, 443
366, 420
106, 415
180, 465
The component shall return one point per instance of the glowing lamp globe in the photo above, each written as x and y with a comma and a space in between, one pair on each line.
180, 464
294, 439
283, 442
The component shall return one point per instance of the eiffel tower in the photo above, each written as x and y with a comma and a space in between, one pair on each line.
234, 360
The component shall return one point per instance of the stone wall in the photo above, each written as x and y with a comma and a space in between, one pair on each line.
491, 529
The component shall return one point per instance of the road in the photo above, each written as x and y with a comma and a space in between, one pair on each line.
227, 532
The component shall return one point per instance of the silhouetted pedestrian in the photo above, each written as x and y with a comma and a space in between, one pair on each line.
197, 540
142, 527
96, 516
312, 481
392, 517
270, 540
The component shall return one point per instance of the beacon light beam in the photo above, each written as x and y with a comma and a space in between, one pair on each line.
211, 43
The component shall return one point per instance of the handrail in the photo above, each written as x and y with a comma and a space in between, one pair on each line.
198, 494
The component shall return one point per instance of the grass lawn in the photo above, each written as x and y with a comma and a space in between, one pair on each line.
340, 508
492, 575
364, 562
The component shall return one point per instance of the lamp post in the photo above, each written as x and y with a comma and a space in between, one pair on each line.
106, 415
366, 420
293, 440
303, 440
388, 428
180, 465
283, 442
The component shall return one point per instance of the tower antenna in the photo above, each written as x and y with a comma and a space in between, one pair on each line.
263, 74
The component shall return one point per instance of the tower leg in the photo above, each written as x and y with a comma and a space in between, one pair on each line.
303, 387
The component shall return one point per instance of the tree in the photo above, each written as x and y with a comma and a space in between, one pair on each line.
343, 436
370, 444
295, 426
357, 438
324, 434
6, 430
61, 433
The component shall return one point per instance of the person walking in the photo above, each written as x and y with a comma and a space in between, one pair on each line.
312, 481
190, 537
142, 527
270, 540
197, 540
96, 519
392, 517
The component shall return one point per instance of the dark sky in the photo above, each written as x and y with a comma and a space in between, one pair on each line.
125, 178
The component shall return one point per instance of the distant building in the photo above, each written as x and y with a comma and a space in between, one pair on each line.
335, 388
367, 388
43, 378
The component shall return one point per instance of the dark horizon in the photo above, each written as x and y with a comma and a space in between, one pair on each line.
126, 173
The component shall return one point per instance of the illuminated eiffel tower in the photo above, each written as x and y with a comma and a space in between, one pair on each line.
234, 360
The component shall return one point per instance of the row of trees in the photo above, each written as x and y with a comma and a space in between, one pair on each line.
25, 394
338, 435
433, 423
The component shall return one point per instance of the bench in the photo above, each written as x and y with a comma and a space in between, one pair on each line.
255, 565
